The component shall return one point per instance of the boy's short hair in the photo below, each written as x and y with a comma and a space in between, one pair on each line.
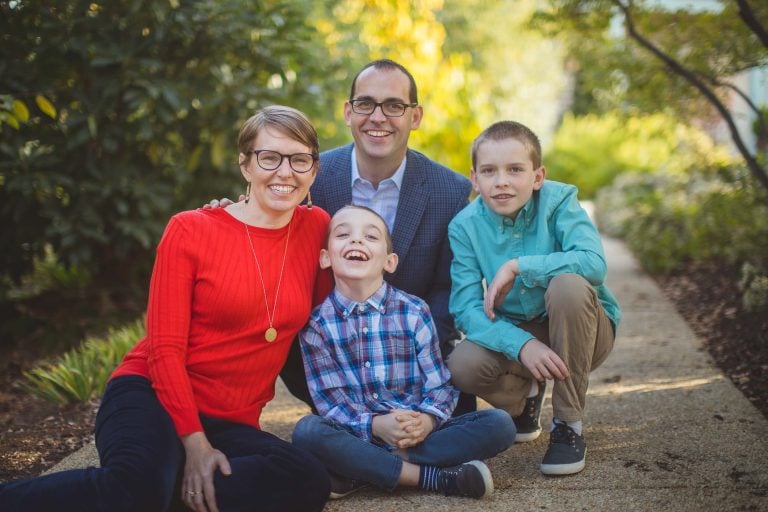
387, 234
388, 65
510, 130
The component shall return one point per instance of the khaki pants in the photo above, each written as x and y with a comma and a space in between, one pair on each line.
578, 330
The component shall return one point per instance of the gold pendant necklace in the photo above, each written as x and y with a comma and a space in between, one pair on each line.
271, 333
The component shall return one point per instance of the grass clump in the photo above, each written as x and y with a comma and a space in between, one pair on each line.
81, 373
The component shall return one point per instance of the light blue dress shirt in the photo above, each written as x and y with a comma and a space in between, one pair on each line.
551, 235
382, 199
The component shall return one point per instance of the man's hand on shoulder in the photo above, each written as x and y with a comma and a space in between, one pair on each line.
221, 203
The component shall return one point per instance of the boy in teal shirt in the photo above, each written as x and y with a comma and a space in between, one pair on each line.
546, 313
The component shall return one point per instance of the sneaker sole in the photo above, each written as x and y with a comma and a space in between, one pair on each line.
528, 436
340, 495
564, 469
487, 478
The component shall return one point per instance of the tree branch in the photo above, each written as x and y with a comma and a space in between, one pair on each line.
761, 121
748, 16
754, 166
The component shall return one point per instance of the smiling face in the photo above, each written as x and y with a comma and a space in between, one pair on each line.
504, 175
382, 140
359, 252
276, 193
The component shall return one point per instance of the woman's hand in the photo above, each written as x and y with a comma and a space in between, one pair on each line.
542, 361
197, 490
500, 286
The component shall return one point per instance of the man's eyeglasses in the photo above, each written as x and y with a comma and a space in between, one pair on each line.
388, 108
270, 160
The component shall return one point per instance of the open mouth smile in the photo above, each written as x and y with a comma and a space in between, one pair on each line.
355, 255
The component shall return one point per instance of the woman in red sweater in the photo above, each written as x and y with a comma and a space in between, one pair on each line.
230, 289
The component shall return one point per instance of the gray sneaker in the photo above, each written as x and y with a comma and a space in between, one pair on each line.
566, 453
471, 479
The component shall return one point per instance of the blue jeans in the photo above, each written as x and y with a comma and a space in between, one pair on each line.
142, 461
475, 435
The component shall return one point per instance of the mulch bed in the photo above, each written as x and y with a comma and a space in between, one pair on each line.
707, 296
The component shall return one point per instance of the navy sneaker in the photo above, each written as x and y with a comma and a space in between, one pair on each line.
528, 424
471, 479
566, 453
341, 487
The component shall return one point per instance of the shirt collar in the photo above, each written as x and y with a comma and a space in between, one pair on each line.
525, 214
396, 178
347, 306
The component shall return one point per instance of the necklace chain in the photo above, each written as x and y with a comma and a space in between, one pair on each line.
271, 334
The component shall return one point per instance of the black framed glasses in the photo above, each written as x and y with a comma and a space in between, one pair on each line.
388, 108
270, 160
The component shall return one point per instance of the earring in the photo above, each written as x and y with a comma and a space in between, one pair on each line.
248, 193
309, 200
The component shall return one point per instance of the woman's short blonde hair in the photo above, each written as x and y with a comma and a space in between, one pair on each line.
287, 120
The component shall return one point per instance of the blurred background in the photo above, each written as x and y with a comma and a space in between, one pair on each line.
115, 115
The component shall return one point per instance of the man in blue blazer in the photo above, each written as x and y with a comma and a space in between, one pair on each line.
416, 196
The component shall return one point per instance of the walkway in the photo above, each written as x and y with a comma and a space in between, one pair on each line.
666, 431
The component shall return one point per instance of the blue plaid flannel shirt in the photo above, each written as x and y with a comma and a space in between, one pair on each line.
365, 359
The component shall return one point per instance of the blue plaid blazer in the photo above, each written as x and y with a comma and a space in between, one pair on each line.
430, 196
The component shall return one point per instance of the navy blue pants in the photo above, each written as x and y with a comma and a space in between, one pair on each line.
142, 461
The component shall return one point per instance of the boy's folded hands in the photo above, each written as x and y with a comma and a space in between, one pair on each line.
403, 428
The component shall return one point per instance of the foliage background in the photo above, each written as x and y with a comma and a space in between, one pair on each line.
114, 115
133, 106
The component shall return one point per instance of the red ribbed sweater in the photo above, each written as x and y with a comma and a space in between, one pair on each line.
205, 351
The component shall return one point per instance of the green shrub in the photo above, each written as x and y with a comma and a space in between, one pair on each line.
670, 219
81, 374
590, 151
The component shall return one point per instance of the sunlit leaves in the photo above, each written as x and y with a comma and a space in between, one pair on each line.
590, 151
474, 62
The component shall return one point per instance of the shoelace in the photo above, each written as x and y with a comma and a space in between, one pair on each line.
448, 479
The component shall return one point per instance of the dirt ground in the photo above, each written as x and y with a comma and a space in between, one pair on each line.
35, 434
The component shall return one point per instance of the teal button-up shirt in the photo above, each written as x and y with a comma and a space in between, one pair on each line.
551, 235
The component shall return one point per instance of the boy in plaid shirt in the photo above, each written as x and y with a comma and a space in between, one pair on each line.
379, 383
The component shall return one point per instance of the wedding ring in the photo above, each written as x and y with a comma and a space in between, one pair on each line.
193, 493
